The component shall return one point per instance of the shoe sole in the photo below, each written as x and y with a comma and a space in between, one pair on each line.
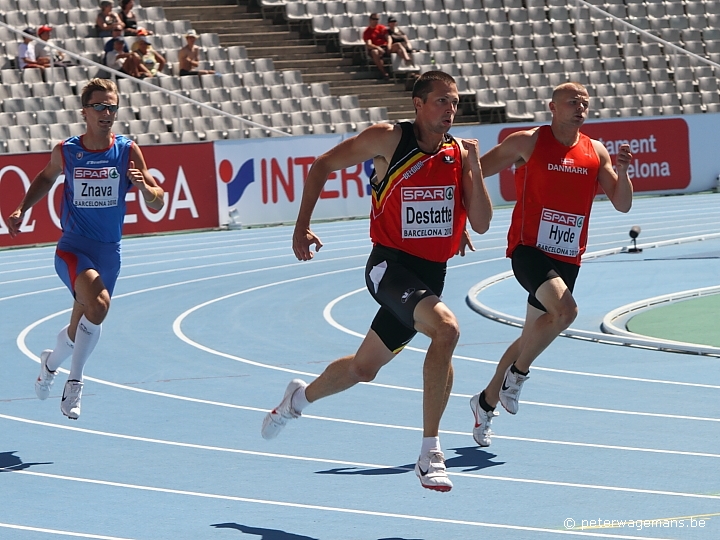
441, 489
508, 410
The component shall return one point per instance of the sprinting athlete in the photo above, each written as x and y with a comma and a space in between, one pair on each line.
557, 173
425, 186
99, 169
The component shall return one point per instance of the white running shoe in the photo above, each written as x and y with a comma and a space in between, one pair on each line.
510, 391
483, 419
45, 380
430, 469
276, 419
70, 404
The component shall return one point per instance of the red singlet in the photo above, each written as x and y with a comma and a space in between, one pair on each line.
418, 206
555, 192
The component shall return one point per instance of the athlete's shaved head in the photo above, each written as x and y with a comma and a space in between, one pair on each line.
574, 87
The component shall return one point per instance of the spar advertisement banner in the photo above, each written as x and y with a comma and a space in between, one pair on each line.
185, 172
660, 149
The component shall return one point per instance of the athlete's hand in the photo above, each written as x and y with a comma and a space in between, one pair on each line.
465, 242
303, 238
473, 148
13, 223
136, 176
623, 158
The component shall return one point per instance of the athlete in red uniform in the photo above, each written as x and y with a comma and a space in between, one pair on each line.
556, 176
426, 185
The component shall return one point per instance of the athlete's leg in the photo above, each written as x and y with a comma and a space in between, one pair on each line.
561, 312
350, 370
491, 393
435, 320
92, 302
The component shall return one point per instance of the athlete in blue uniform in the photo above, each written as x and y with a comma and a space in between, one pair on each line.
99, 169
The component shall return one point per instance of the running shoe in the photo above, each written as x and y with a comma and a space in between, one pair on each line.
483, 419
276, 419
70, 404
430, 469
45, 380
510, 391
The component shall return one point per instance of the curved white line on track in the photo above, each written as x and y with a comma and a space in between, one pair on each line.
575, 333
178, 331
327, 315
349, 510
60, 533
176, 327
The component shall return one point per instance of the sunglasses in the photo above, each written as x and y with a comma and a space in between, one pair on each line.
374, 18
101, 107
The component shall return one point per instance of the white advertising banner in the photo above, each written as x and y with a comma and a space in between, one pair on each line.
260, 181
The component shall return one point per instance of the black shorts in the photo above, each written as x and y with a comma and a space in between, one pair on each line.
398, 281
532, 266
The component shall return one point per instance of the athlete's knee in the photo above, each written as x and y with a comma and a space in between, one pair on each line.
96, 309
363, 372
446, 332
566, 314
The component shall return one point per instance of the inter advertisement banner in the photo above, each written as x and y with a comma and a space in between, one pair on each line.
261, 181
660, 149
185, 172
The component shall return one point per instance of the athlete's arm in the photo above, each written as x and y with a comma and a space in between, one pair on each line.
141, 178
39, 187
475, 196
617, 187
376, 142
514, 149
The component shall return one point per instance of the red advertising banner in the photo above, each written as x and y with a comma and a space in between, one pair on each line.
185, 172
660, 149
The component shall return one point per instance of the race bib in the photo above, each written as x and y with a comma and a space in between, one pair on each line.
96, 187
559, 232
427, 212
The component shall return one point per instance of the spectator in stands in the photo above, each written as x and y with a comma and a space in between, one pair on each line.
47, 56
106, 19
130, 21
133, 66
117, 31
26, 51
189, 57
399, 38
116, 57
375, 37
150, 58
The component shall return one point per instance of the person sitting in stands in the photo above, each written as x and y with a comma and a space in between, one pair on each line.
189, 57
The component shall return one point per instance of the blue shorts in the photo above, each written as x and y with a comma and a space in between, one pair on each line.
75, 254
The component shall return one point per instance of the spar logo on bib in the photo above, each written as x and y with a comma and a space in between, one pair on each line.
559, 232
427, 212
95, 187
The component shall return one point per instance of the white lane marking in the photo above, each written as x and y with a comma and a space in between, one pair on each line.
340, 509
345, 421
60, 533
328, 316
